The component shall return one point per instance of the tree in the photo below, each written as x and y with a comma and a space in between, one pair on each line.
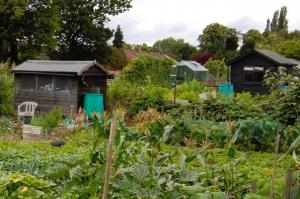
274, 23
27, 28
282, 20
117, 58
175, 48
118, 40
217, 38
148, 70
268, 28
217, 68
203, 57
83, 33
250, 38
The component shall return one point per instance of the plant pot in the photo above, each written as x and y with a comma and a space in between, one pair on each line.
31, 132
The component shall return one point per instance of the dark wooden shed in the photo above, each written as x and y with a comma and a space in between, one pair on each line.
247, 70
58, 84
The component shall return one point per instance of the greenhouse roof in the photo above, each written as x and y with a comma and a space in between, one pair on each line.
194, 66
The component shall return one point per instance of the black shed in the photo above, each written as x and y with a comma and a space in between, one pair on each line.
58, 84
247, 70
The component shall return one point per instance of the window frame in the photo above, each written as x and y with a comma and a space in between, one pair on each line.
253, 74
37, 89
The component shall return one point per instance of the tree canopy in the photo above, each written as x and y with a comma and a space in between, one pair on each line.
60, 29
175, 48
27, 28
218, 39
118, 38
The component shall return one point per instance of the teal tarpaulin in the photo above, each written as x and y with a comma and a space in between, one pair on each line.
226, 89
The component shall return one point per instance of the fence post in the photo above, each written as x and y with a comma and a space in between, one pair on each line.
272, 195
288, 183
113, 129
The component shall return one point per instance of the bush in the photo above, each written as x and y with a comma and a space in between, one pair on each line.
145, 98
7, 126
188, 91
148, 70
50, 120
256, 134
7, 90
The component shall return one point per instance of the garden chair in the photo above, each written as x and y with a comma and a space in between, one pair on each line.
26, 109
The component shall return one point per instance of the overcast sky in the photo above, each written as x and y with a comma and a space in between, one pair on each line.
150, 20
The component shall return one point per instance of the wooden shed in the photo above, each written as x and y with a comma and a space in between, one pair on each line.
58, 84
247, 70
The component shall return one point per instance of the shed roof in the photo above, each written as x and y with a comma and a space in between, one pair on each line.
194, 66
50, 66
271, 55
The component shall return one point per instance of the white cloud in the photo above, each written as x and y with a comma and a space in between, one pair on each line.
151, 20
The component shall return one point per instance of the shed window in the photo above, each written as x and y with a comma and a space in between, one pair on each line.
27, 83
62, 84
253, 73
45, 83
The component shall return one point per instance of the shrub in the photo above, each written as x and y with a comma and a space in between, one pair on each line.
7, 90
7, 126
49, 121
148, 70
147, 97
256, 134
188, 91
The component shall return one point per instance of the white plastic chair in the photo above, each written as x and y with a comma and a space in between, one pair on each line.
28, 110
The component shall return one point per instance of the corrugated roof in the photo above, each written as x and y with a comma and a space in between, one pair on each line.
278, 58
195, 66
50, 66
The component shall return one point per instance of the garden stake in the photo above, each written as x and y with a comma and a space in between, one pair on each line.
288, 183
113, 128
272, 196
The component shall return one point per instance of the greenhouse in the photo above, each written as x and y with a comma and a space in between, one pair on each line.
190, 70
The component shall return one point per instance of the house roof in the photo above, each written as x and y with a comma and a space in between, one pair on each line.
49, 66
270, 55
194, 66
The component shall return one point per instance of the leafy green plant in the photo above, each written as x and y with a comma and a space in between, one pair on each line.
49, 121
7, 90
147, 97
257, 134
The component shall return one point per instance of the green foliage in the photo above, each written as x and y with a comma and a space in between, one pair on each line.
148, 70
188, 91
250, 40
147, 97
257, 134
218, 39
7, 90
49, 121
117, 58
34, 23
217, 68
178, 49
118, 38
7, 126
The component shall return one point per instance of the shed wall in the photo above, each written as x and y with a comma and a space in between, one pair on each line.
47, 100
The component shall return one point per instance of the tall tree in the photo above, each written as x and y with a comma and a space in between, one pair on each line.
218, 39
250, 39
27, 28
83, 33
118, 38
274, 23
175, 48
268, 28
282, 20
